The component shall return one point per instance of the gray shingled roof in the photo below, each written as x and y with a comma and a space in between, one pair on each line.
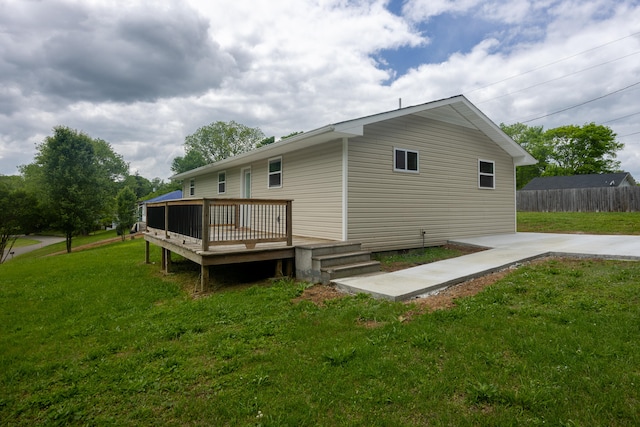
579, 181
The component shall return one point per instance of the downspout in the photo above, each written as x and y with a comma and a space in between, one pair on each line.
515, 197
345, 188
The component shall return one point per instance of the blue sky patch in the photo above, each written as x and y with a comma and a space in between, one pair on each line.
448, 34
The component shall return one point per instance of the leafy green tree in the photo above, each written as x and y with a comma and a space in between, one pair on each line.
580, 150
215, 142
125, 211
111, 170
140, 185
531, 138
19, 215
191, 160
71, 181
566, 150
12, 182
266, 141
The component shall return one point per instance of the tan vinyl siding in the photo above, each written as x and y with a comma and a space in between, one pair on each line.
388, 210
313, 179
207, 185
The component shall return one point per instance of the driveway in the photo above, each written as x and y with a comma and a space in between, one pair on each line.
44, 241
505, 250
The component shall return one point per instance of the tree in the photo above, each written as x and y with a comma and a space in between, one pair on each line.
19, 215
71, 181
215, 142
141, 186
565, 150
191, 160
531, 138
580, 150
125, 211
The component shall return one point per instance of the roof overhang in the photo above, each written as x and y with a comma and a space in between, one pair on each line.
456, 110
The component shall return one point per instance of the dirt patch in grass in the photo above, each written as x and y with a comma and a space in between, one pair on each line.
446, 298
318, 294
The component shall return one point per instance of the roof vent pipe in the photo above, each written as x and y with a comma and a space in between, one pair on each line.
399, 103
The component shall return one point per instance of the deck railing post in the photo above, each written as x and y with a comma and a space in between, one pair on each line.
166, 220
289, 223
236, 219
206, 212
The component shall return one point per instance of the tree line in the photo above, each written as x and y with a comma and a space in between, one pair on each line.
565, 150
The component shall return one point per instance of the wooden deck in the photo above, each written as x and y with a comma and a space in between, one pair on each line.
191, 249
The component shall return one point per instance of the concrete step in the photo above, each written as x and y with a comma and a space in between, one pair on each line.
330, 273
332, 260
332, 248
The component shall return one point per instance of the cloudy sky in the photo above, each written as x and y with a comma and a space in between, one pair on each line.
142, 74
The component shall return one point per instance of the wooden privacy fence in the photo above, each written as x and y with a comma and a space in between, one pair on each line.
224, 221
605, 199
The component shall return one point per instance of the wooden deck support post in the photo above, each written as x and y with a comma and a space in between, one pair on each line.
278, 268
206, 212
204, 277
163, 259
167, 267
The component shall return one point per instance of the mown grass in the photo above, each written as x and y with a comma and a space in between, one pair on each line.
23, 241
76, 242
99, 338
403, 259
580, 222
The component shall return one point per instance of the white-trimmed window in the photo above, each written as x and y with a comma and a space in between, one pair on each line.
192, 187
275, 172
405, 160
486, 174
222, 182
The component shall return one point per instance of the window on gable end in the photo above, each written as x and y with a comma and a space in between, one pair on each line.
192, 187
275, 172
486, 174
405, 160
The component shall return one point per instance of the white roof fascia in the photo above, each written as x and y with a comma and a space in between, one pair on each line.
481, 122
355, 127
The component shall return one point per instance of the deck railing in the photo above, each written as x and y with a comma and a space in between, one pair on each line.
224, 221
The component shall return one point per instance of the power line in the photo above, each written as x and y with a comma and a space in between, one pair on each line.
582, 103
629, 134
623, 117
559, 78
554, 62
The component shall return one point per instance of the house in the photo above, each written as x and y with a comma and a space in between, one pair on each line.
142, 207
621, 179
406, 178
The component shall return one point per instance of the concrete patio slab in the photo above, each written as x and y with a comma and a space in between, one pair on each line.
505, 250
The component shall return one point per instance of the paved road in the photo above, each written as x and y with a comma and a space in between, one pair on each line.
44, 241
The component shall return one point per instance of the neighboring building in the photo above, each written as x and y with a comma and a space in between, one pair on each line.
406, 178
142, 206
621, 179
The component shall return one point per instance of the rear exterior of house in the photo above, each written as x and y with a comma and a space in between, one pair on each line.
398, 180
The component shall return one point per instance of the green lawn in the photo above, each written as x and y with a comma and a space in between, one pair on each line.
99, 338
580, 222
23, 241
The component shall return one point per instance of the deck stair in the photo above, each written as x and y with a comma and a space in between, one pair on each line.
323, 263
